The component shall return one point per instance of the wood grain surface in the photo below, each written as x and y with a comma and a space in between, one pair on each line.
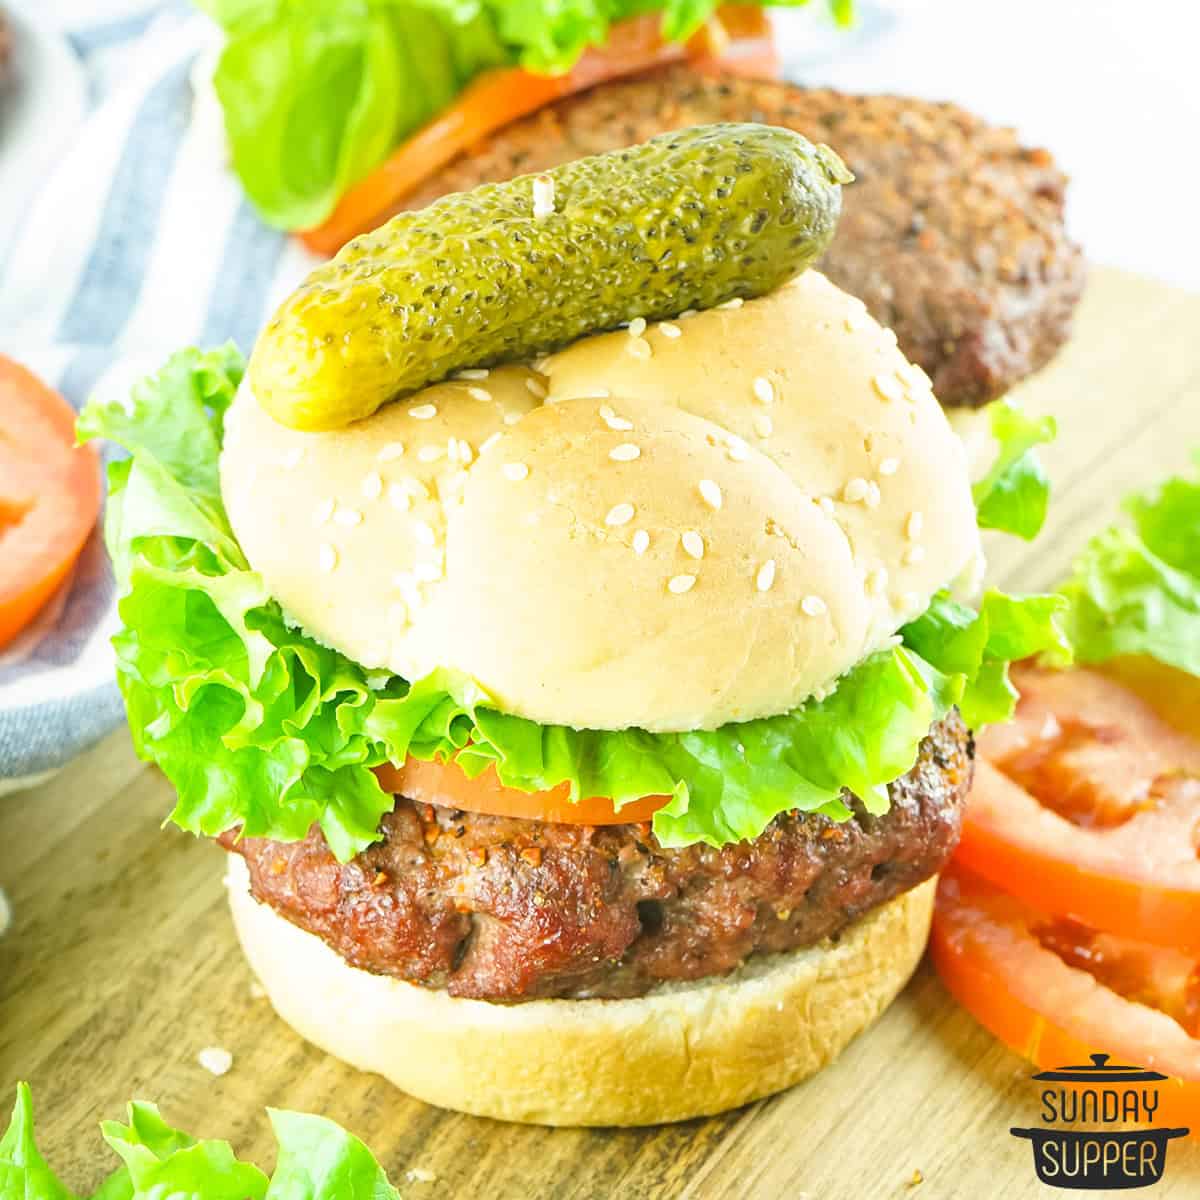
121, 963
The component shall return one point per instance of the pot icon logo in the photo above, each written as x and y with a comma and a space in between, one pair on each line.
1098, 1096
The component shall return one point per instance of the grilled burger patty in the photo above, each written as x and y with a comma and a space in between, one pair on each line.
503, 909
952, 235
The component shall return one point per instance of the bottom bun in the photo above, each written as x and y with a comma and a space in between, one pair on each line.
685, 1050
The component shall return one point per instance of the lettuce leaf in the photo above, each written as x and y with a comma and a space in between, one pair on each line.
317, 1160
1137, 591
315, 93
1014, 495
24, 1174
979, 645
258, 726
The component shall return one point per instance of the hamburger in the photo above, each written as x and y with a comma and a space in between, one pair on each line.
561, 637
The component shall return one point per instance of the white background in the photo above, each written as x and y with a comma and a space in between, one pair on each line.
1112, 89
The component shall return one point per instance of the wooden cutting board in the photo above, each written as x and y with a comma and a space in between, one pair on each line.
121, 963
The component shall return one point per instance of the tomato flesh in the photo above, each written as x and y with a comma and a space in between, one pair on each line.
993, 953
1088, 806
447, 785
49, 495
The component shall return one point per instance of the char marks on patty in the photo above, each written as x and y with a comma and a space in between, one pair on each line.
502, 909
952, 234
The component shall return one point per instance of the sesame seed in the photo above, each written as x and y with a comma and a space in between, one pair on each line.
625, 452
889, 466
914, 555
667, 329
473, 373
323, 512
372, 486
536, 386
489, 442
423, 412
641, 542
399, 497
639, 348
327, 557
619, 514
764, 393
216, 1060
511, 418
679, 584
465, 453
687, 312
826, 505
877, 581
765, 576
737, 449
637, 326
855, 491
391, 451
543, 196
424, 534
292, 457
914, 525
873, 496
428, 454
515, 471
887, 387
478, 393
763, 425
736, 302
693, 544
611, 419
348, 517
813, 606
711, 493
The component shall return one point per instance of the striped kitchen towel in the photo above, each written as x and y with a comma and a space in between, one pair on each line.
138, 242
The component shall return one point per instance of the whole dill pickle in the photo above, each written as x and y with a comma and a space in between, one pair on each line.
513, 270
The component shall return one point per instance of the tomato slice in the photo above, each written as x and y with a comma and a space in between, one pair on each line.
737, 38
447, 785
49, 495
1088, 805
1002, 960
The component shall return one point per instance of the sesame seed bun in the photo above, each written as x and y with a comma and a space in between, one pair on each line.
703, 521
685, 1050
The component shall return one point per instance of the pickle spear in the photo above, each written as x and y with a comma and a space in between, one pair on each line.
513, 270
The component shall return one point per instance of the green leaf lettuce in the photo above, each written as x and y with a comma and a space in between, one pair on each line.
1136, 591
317, 1160
315, 93
258, 726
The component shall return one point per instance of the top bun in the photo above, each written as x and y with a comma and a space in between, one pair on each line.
707, 521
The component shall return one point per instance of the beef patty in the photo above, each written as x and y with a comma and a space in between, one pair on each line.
503, 909
952, 233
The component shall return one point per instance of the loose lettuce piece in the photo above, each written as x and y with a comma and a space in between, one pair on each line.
24, 1174
317, 1160
161, 1161
1014, 495
260, 727
315, 93
1137, 591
